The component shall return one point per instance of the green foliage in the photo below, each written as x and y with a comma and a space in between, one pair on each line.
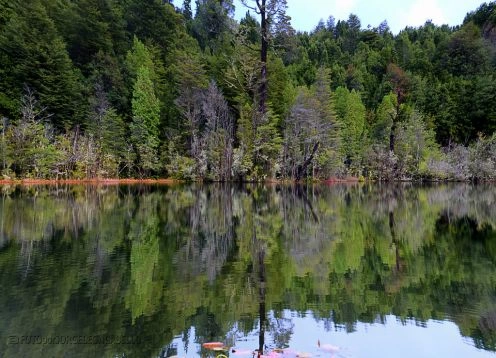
466, 53
34, 54
30, 151
144, 290
176, 164
139, 56
148, 56
28, 147
311, 129
416, 146
281, 91
155, 21
187, 12
89, 31
190, 79
211, 23
350, 113
483, 158
243, 159
260, 146
61, 49
108, 132
146, 118
106, 70
385, 116
266, 147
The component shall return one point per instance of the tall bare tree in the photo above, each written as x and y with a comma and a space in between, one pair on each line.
310, 126
218, 133
271, 12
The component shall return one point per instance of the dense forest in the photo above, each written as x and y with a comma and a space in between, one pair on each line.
142, 88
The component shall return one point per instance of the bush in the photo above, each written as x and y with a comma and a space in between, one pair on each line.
482, 158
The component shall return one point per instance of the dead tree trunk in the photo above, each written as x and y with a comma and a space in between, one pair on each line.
302, 168
263, 58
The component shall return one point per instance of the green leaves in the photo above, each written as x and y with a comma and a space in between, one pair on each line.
30, 151
260, 145
145, 54
34, 54
146, 118
350, 113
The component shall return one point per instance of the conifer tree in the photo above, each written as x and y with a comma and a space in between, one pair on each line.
146, 118
35, 55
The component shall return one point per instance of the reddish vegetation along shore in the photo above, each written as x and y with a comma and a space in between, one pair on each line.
114, 181
87, 181
335, 180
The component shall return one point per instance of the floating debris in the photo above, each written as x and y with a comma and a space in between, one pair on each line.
328, 347
304, 355
213, 345
242, 352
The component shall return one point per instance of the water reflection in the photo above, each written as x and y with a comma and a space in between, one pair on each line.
174, 267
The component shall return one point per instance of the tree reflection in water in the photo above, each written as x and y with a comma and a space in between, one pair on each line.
216, 262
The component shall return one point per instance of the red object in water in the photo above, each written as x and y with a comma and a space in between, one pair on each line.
212, 345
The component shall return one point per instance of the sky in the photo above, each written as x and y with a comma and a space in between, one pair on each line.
305, 14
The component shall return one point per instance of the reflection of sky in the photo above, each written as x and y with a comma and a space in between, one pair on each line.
393, 339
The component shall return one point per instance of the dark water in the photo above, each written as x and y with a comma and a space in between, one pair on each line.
149, 271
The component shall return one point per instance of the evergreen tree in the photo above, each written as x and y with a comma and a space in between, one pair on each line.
61, 49
89, 32
145, 125
350, 113
385, 115
34, 54
139, 56
415, 146
187, 12
270, 11
211, 24
31, 151
154, 21
108, 131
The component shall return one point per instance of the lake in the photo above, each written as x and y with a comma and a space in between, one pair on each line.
349, 270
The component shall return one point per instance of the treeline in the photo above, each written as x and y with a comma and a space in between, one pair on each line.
139, 88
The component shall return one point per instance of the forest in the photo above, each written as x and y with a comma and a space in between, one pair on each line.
145, 89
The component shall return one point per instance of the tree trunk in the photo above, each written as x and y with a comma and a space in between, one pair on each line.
392, 137
395, 118
394, 241
261, 302
302, 168
301, 193
263, 92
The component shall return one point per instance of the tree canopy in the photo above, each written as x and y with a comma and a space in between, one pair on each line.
358, 88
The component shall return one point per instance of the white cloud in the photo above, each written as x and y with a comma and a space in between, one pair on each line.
421, 11
344, 8
306, 13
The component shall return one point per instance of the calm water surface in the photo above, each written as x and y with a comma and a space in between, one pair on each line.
156, 271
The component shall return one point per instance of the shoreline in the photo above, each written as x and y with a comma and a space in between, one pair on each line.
168, 181
164, 181
86, 181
